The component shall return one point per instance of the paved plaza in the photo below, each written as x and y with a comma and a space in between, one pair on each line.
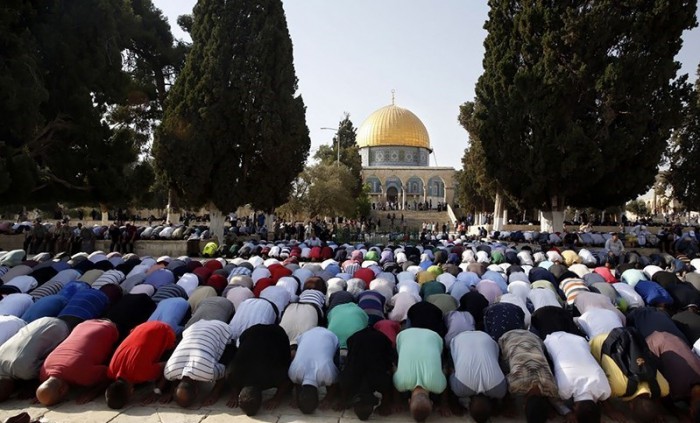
98, 412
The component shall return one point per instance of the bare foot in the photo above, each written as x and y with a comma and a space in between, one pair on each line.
384, 409
271, 404
232, 402
211, 399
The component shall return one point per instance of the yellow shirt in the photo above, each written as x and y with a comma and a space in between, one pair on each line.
617, 379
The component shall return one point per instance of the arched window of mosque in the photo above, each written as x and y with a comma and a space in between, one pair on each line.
374, 184
436, 187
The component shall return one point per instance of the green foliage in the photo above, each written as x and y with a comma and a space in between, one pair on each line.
325, 190
349, 152
234, 130
578, 98
330, 191
75, 119
684, 154
364, 203
638, 207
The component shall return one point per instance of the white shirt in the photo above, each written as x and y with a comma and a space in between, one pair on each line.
598, 321
553, 256
627, 292
139, 269
65, 276
578, 374
9, 326
251, 312
313, 362
541, 297
586, 257
525, 258
297, 319
475, 355
25, 283
278, 296
458, 322
401, 302
15, 304
189, 282
197, 355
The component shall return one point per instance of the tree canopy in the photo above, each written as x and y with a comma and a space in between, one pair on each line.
578, 98
234, 129
69, 129
349, 152
684, 154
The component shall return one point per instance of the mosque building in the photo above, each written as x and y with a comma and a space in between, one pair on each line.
395, 151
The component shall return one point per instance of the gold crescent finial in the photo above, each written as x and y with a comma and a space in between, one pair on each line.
393, 97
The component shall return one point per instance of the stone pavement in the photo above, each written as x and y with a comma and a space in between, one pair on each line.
98, 412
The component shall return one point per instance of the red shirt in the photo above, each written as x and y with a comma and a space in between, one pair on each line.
81, 358
137, 359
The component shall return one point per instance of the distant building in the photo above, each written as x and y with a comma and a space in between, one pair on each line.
395, 150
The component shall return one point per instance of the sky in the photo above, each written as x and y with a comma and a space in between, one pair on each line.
350, 54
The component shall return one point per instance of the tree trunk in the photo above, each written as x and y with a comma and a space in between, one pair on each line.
498, 213
552, 220
172, 210
105, 214
216, 224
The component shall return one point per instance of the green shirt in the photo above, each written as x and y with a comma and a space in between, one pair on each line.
346, 319
420, 361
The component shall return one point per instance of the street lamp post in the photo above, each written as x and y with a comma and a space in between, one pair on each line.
334, 129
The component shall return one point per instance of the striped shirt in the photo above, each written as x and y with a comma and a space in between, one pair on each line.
169, 291
49, 288
197, 356
113, 276
572, 287
523, 352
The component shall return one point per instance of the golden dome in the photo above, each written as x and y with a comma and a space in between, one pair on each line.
393, 126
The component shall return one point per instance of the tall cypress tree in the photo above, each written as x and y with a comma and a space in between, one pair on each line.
684, 154
234, 130
578, 98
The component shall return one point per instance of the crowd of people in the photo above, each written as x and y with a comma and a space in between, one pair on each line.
447, 326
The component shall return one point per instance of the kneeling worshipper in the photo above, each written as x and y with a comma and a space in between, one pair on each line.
202, 356
139, 359
313, 367
476, 377
261, 362
528, 373
80, 360
420, 371
368, 369
22, 355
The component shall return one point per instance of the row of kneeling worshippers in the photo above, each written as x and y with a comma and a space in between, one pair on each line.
432, 333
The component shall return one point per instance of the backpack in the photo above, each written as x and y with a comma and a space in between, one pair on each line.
630, 352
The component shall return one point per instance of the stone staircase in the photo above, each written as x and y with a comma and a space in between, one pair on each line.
413, 219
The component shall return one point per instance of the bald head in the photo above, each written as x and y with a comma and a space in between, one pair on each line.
52, 391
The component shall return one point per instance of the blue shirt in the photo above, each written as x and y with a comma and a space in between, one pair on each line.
171, 311
160, 277
72, 287
45, 307
86, 304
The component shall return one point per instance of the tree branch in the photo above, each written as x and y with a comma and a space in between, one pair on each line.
52, 177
